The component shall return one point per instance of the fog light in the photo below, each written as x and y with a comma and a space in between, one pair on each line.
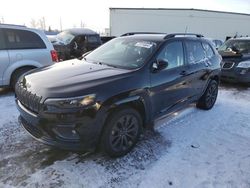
66, 132
243, 71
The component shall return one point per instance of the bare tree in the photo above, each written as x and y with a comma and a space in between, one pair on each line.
33, 23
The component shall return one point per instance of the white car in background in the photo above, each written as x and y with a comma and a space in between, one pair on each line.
22, 49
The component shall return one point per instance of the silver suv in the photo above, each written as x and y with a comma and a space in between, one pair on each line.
22, 49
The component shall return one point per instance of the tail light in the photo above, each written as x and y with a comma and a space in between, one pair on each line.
54, 56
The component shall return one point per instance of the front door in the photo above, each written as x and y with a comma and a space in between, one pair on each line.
169, 86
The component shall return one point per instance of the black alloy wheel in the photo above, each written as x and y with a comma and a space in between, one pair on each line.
208, 99
121, 132
211, 95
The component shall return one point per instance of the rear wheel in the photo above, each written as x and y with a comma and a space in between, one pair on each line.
16, 75
121, 132
208, 99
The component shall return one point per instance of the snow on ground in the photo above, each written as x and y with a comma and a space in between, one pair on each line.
193, 149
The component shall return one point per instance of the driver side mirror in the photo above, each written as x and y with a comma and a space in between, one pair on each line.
159, 65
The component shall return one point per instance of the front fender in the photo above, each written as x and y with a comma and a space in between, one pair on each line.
141, 98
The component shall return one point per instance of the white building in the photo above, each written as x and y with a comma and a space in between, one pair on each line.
213, 24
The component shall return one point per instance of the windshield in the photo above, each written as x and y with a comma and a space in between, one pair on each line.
124, 53
65, 37
241, 46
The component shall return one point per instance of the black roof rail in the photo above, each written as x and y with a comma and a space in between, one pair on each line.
138, 33
188, 34
12, 25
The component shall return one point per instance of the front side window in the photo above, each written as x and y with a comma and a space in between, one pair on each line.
173, 54
93, 39
195, 52
21, 39
125, 53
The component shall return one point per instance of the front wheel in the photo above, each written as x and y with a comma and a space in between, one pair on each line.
208, 99
121, 132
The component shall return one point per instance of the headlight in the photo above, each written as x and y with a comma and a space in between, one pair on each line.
244, 64
74, 102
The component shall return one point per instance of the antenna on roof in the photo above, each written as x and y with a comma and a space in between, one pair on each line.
186, 29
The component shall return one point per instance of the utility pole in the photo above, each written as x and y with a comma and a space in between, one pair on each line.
60, 23
82, 24
44, 25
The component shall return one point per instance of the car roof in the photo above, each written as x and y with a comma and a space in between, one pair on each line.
241, 38
160, 37
81, 31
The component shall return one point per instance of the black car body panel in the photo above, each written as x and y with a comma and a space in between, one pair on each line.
151, 92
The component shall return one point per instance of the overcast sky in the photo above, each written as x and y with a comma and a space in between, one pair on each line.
95, 13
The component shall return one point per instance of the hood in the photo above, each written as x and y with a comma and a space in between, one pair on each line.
70, 78
230, 54
235, 57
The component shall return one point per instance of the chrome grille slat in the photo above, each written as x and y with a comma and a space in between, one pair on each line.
29, 100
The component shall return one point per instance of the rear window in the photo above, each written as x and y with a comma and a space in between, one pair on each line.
21, 39
195, 52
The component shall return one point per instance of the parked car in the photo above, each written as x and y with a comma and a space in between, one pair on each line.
236, 60
73, 43
118, 90
22, 49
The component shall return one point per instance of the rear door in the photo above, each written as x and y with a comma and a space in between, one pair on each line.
4, 57
197, 66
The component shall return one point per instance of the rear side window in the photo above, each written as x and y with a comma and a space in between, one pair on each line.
21, 39
208, 50
195, 52
2, 43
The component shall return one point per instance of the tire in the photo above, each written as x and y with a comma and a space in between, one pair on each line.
16, 75
208, 99
121, 132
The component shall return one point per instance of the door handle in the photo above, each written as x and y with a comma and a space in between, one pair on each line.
183, 73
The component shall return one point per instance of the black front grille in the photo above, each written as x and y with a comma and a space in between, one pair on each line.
29, 100
228, 65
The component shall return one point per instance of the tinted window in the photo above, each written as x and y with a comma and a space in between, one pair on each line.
93, 39
195, 52
173, 54
2, 45
123, 53
20, 39
209, 51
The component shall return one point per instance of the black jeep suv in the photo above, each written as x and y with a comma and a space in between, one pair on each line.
236, 60
113, 93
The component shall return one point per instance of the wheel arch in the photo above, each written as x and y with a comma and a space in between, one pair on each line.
8, 74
